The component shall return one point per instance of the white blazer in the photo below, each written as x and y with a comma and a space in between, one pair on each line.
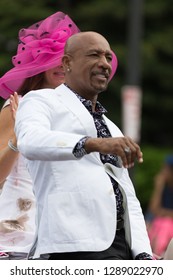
75, 198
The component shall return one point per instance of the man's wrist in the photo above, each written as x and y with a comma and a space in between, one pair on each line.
79, 150
92, 144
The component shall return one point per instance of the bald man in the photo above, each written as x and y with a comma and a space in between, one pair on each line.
78, 160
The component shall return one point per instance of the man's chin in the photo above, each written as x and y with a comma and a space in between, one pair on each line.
101, 88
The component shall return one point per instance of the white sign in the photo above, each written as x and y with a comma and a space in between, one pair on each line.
131, 111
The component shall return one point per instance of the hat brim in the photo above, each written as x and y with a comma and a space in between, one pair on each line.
12, 79
114, 65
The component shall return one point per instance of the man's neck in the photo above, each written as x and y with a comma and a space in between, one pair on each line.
93, 100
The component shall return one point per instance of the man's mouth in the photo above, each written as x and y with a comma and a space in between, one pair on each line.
102, 76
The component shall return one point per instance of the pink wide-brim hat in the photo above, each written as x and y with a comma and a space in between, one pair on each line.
40, 48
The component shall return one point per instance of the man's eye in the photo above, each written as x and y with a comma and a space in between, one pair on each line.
93, 54
109, 58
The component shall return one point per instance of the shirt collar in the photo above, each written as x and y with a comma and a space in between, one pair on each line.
88, 104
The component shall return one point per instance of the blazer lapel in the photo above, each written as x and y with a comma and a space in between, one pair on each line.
70, 100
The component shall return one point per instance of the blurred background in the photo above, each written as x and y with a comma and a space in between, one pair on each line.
139, 98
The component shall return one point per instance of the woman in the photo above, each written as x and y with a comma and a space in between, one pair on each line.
161, 207
37, 65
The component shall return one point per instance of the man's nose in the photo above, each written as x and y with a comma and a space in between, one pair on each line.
104, 62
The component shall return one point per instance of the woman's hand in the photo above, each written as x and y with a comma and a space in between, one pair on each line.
14, 102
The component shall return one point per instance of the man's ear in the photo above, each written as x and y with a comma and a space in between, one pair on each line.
66, 60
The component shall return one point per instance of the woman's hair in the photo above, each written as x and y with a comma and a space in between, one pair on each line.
31, 83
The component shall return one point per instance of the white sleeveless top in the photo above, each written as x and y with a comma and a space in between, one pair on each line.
17, 209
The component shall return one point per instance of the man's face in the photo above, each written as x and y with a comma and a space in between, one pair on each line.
91, 66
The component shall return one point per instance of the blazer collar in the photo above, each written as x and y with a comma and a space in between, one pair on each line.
71, 101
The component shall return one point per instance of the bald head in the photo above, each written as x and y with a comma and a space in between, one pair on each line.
78, 40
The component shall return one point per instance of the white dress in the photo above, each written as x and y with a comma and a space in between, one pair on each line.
17, 210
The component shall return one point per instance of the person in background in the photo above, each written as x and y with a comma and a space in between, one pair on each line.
78, 160
37, 65
160, 228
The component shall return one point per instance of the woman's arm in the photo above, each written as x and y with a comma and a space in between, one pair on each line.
156, 199
7, 155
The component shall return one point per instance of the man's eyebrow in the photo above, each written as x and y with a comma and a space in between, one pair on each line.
108, 52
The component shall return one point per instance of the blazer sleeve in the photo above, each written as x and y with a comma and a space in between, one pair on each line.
33, 127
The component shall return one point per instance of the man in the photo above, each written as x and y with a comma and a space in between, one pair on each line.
78, 159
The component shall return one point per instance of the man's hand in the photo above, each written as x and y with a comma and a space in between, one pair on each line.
124, 147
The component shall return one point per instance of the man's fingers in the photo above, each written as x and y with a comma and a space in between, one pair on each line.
132, 152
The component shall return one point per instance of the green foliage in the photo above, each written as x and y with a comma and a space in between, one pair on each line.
143, 174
